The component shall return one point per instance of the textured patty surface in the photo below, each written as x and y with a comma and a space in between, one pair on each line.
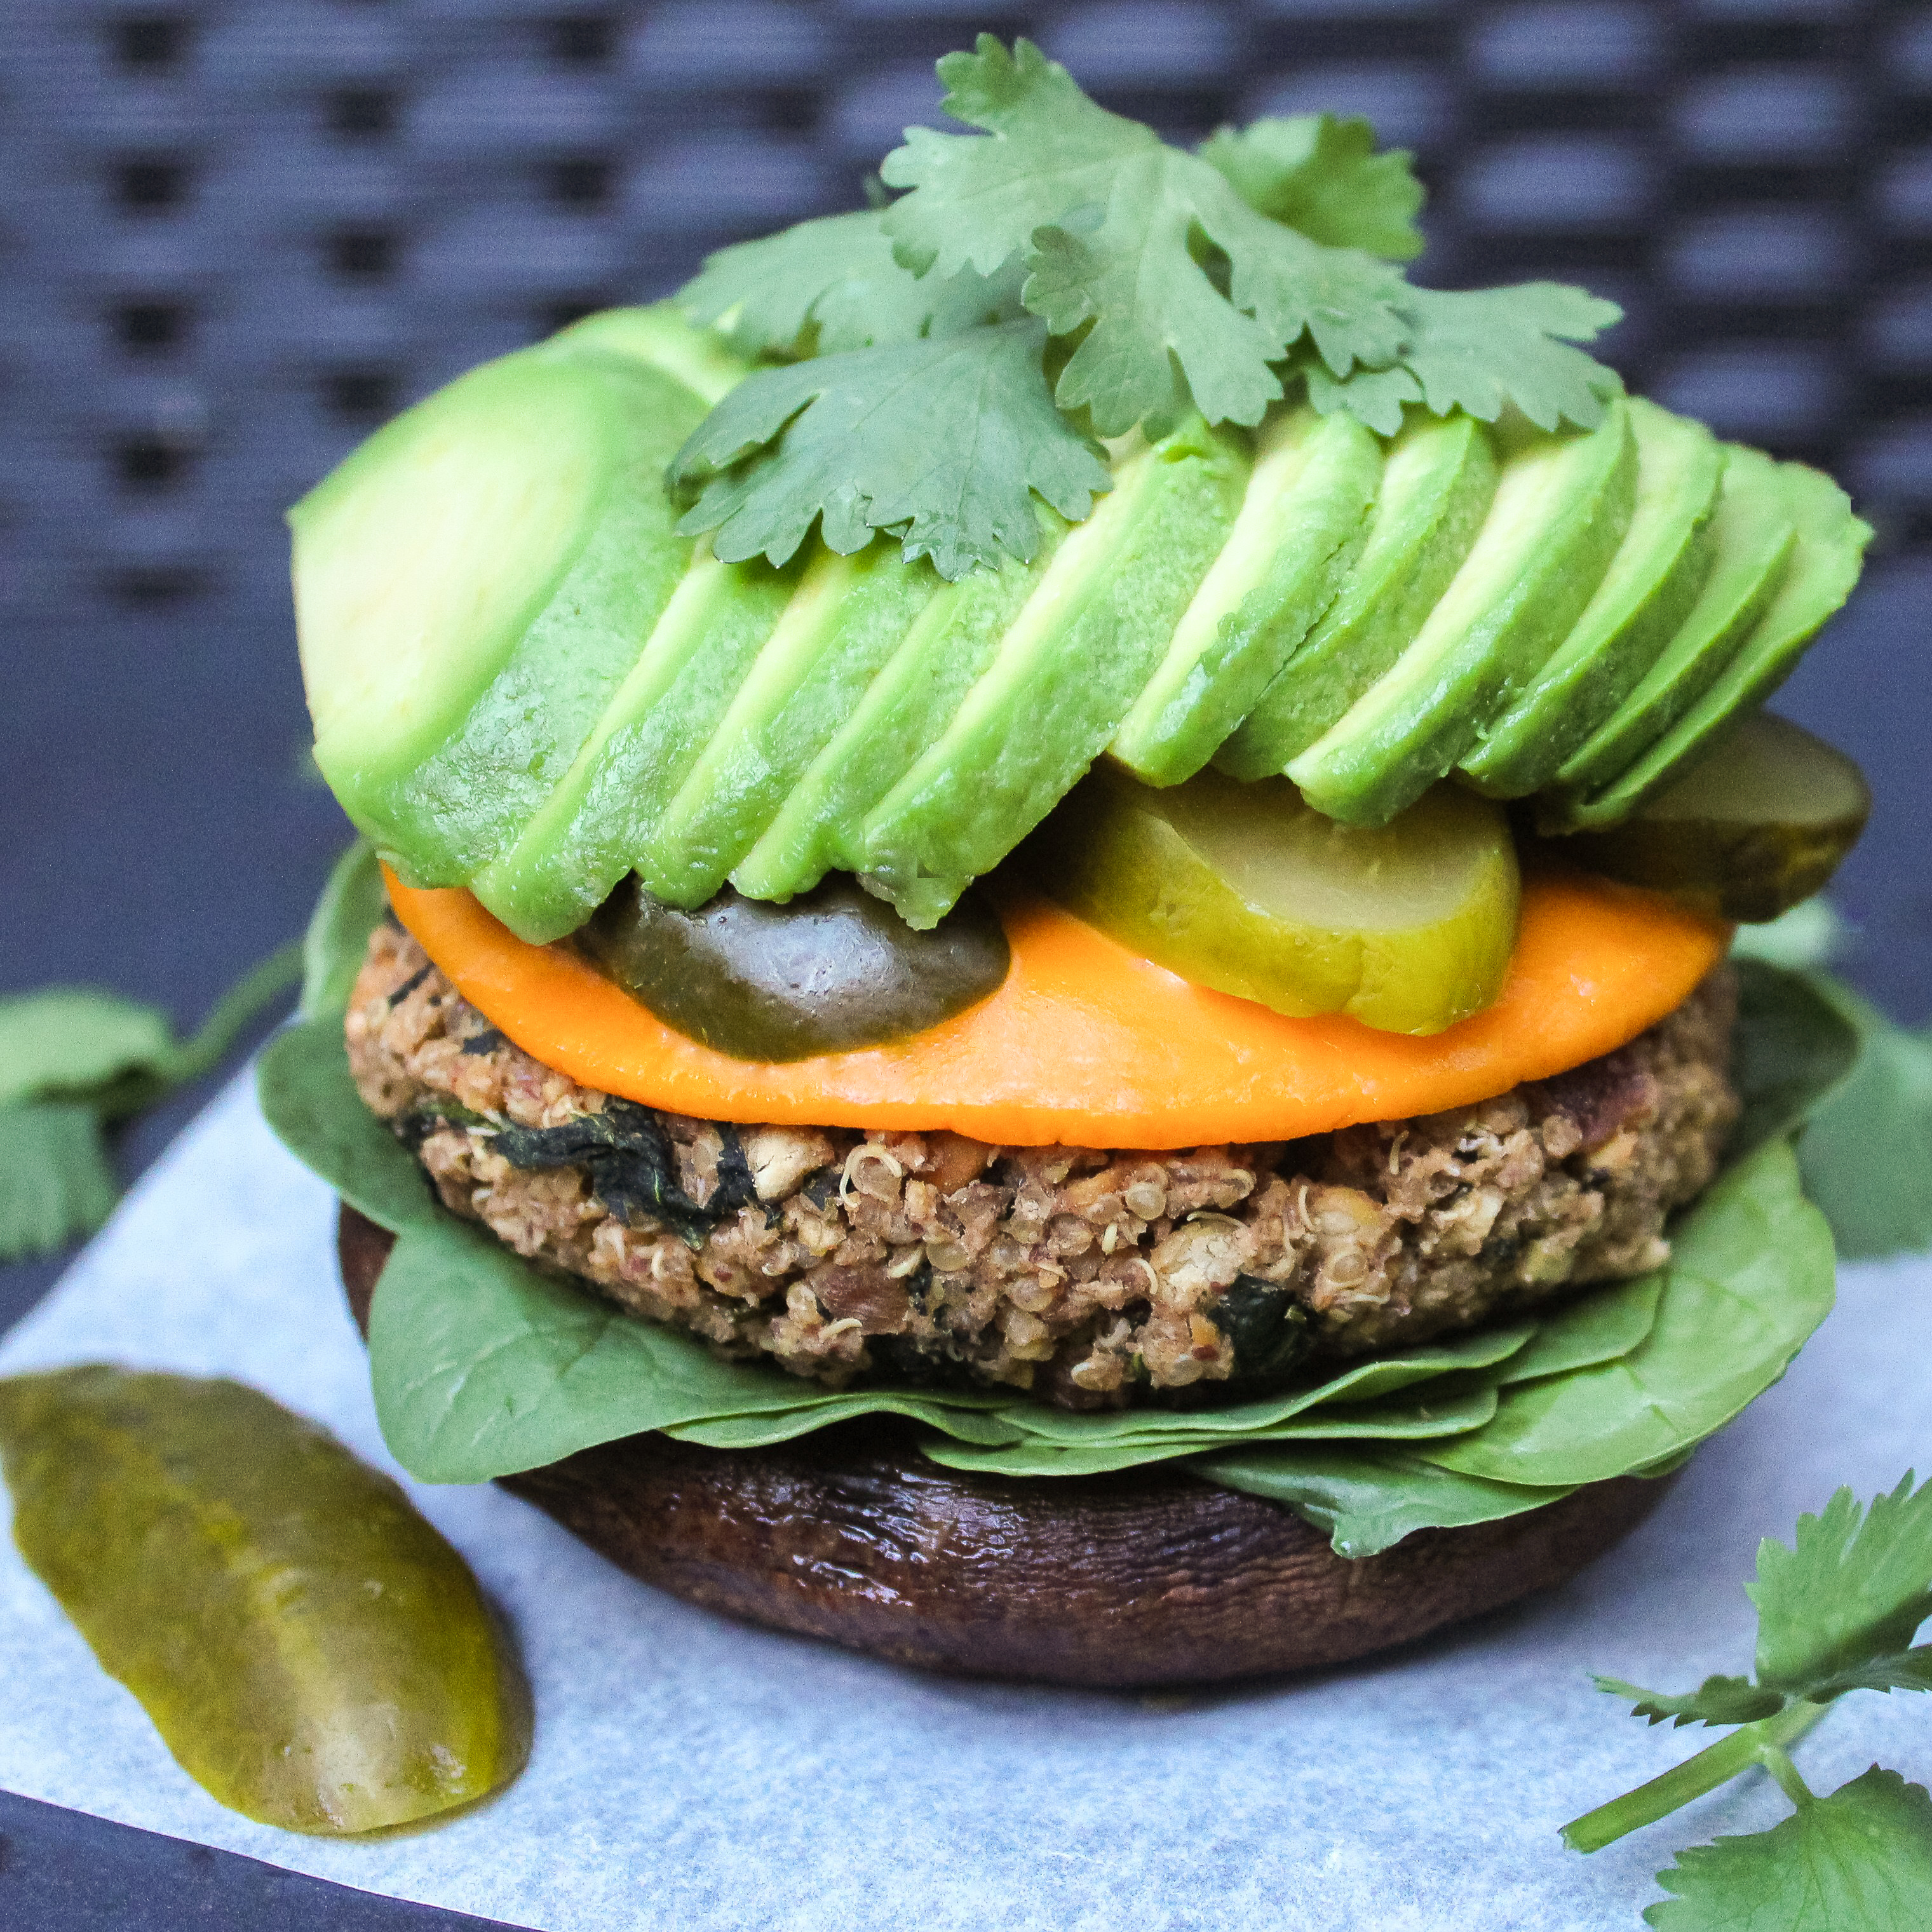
1087, 1276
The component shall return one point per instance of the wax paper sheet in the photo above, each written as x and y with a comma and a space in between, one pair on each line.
690, 1773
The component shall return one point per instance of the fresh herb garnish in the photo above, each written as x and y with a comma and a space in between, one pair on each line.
946, 439
1164, 280
72, 1060
1320, 174
1837, 1612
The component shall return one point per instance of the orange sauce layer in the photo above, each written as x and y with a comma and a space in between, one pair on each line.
1088, 1045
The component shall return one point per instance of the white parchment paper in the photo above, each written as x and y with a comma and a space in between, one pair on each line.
692, 1773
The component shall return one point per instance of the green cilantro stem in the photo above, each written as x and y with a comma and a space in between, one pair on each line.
1777, 1760
1762, 1744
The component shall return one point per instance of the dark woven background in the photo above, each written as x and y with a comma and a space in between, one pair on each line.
235, 234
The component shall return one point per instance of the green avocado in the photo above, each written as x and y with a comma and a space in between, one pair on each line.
1752, 535
844, 622
660, 338
472, 585
1436, 483
1825, 564
1651, 584
1301, 523
586, 835
1561, 506
902, 711
1096, 627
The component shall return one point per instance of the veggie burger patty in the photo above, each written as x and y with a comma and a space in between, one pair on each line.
1085, 1275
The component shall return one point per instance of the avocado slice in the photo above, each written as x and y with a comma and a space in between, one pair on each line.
903, 710
1561, 506
660, 338
583, 838
846, 619
1825, 564
1301, 523
1436, 483
1752, 536
473, 583
1645, 595
1068, 669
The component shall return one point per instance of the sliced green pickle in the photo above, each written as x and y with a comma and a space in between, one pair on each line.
312, 1653
835, 970
1748, 831
1407, 927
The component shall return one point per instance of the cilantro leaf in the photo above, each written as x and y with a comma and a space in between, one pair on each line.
1855, 1586
56, 1182
1322, 174
1478, 350
1105, 216
947, 437
833, 284
1858, 1860
72, 1058
72, 1040
1483, 350
1905, 1670
1157, 255
1717, 1700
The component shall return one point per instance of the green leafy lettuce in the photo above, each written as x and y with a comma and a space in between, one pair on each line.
1837, 1610
73, 1061
1164, 280
483, 1367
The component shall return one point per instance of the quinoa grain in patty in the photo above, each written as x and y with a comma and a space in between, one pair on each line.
1087, 1276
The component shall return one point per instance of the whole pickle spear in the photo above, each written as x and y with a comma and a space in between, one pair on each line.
313, 1654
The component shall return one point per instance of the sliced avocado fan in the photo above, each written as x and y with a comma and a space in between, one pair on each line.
1752, 534
471, 586
1649, 588
523, 679
1561, 505
1824, 565
1437, 481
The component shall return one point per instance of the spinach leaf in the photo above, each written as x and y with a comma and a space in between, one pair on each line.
1453, 1411
482, 1366
1794, 1047
1867, 1156
1750, 1277
1368, 1498
351, 907
629, 1157
306, 1096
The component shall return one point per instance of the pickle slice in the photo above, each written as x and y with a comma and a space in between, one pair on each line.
1407, 927
312, 1653
833, 970
1748, 831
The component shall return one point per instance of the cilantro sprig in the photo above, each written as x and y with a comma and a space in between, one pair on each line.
1164, 281
1837, 1610
73, 1060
